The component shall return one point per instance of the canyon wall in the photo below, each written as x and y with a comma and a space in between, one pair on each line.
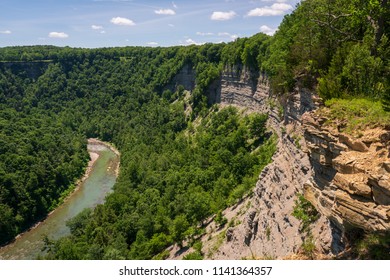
263, 224
347, 180
351, 182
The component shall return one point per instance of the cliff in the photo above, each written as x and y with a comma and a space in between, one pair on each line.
351, 183
346, 179
261, 225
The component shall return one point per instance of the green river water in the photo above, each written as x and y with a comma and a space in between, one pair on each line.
91, 192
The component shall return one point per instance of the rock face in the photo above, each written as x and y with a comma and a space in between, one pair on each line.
262, 225
346, 179
351, 183
243, 88
185, 77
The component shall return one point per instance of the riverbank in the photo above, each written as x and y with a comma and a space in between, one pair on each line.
95, 141
95, 148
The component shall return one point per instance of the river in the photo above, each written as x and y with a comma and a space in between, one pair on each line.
92, 191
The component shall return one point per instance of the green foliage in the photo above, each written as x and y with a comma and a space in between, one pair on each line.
341, 45
309, 246
268, 233
357, 114
373, 246
193, 256
171, 179
39, 159
220, 219
197, 254
386, 100
305, 212
168, 187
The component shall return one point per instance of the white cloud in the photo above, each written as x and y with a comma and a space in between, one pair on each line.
281, 7
227, 34
267, 30
189, 41
276, 9
96, 27
168, 12
152, 44
60, 35
174, 5
223, 15
5, 32
171, 25
122, 21
204, 33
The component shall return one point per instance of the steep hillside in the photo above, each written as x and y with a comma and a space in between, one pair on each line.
346, 179
196, 171
262, 224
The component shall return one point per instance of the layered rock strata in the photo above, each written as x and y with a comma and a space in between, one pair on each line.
351, 183
262, 225
346, 179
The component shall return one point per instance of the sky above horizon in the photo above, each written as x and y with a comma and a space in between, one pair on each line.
111, 23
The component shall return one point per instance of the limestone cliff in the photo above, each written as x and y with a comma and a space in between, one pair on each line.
351, 183
262, 225
346, 179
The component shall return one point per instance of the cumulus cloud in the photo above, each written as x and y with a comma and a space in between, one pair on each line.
190, 41
267, 30
152, 44
5, 32
281, 7
97, 27
223, 15
276, 9
122, 21
60, 35
204, 33
227, 34
168, 12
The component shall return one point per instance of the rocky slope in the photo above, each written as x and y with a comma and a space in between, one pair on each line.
347, 180
262, 225
351, 183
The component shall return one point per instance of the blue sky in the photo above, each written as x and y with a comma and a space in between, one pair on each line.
108, 23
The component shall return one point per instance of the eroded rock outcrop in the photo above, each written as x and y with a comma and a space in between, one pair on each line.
351, 182
262, 225
345, 178
244, 88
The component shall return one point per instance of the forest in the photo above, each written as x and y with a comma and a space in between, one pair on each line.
183, 159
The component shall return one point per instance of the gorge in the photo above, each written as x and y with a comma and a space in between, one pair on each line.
267, 147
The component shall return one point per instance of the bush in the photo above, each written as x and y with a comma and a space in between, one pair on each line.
305, 212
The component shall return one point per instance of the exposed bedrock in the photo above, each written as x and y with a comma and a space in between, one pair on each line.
351, 182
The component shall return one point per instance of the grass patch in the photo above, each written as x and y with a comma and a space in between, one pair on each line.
305, 212
309, 247
268, 233
373, 246
217, 243
357, 114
